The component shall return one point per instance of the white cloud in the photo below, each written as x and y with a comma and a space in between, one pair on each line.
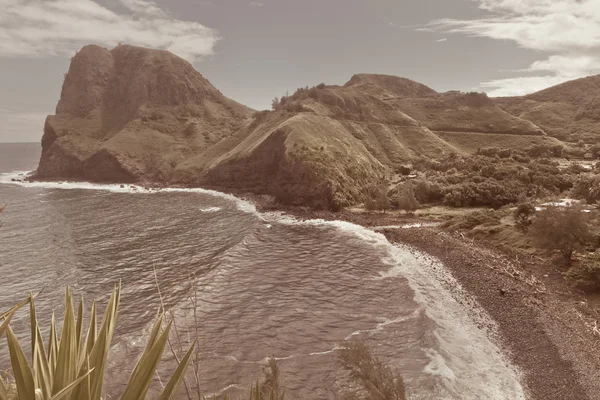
35, 28
256, 4
442, 40
567, 31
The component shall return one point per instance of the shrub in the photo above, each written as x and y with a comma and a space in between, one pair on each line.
376, 198
377, 380
321, 86
407, 200
275, 103
427, 192
587, 274
587, 187
562, 229
2, 208
190, 129
523, 215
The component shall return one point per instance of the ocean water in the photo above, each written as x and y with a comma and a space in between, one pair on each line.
250, 285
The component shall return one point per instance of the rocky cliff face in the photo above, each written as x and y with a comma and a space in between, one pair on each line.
132, 114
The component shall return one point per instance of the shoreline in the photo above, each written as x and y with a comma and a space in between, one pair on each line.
541, 323
541, 326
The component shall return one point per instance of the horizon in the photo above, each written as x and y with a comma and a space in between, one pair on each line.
253, 51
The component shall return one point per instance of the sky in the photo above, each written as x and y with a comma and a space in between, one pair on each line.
255, 50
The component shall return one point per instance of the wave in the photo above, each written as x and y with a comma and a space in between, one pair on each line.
18, 178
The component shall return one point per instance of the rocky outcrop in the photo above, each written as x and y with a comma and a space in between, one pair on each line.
132, 114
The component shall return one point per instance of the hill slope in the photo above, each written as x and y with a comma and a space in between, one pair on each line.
134, 114
569, 111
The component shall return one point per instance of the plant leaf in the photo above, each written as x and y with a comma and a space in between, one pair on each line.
144, 370
21, 369
177, 377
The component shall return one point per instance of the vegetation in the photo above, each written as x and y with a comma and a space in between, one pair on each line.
562, 229
73, 367
407, 200
377, 198
523, 215
2, 208
376, 379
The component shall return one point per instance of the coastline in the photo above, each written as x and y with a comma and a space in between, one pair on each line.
542, 329
542, 324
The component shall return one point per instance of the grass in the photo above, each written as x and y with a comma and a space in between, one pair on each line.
469, 143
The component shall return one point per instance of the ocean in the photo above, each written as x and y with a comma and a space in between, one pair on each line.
250, 285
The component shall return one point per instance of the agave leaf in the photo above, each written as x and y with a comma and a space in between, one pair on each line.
144, 370
32, 325
90, 338
21, 369
66, 363
99, 351
41, 369
52, 347
17, 307
4, 325
177, 377
70, 387
3, 390
79, 329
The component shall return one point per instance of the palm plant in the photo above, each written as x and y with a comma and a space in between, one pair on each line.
72, 367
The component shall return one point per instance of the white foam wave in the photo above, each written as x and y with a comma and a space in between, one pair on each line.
467, 359
211, 209
18, 178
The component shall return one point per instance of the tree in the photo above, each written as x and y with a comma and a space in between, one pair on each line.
563, 229
407, 200
377, 198
275, 103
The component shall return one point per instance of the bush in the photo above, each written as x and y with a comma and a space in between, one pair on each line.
562, 229
190, 129
377, 380
587, 274
407, 200
587, 187
376, 198
523, 215
275, 103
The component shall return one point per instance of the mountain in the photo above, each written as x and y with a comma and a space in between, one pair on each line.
133, 113
139, 115
569, 111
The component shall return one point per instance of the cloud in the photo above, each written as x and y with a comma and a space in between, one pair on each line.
442, 40
567, 32
256, 4
37, 28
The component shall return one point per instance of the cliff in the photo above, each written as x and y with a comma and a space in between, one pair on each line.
133, 114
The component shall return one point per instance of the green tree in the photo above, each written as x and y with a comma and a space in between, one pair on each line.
562, 229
